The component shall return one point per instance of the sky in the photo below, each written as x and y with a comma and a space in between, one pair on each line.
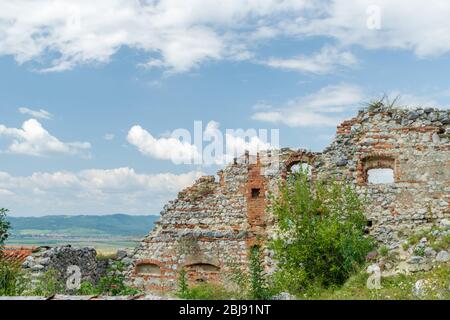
91, 92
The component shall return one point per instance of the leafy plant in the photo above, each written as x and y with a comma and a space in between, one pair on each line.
114, 283
207, 291
4, 226
384, 251
419, 251
321, 240
49, 284
258, 283
13, 281
183, 287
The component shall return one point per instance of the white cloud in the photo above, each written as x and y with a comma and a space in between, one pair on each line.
33, 140
179, 35
179, 147
109, 136
324, 108
416, 25
169, 148
322, 62
91, 191
40, 114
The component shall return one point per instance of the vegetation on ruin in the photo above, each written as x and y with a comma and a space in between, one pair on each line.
202, 291
399, 287
249, 284
12, 278
321, 241
13, 281
259, 289
113, 284
4, 226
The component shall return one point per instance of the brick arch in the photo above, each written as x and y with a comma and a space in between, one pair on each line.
377, 161
203, 272
297, 158
148, 267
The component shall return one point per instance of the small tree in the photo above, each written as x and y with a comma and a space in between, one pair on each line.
183, 287
4, 226
258, 283
320, 241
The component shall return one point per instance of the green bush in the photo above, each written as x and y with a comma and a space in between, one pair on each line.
114, 283
202, 291
207, 291
258, 281
12, 279
48, 284
183, 287
4, 226
320, 241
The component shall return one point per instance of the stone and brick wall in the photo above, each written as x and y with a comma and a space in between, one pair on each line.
209, 229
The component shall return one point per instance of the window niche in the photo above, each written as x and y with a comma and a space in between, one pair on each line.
256, 193
378, 170
148, 269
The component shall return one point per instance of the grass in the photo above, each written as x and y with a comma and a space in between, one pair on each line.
208, 291
400, 287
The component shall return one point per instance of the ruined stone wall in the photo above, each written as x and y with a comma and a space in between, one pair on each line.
202, 231
209, 229
415, 145
59, 259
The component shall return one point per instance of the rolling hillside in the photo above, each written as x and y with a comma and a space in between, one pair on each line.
110, 231
113, 225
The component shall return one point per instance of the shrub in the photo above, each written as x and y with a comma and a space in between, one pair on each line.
4, 226
183, 287
114, 283
12, 279
48, 284
208, 291
258, 283
320, 240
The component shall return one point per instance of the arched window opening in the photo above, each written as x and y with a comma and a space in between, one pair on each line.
203, 267
301, 167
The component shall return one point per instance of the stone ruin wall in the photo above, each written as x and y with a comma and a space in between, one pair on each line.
415, 145
209, 229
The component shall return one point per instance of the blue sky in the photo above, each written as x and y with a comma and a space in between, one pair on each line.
74, 83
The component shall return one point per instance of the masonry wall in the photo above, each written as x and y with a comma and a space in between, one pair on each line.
415, 145
204, 231
209, 229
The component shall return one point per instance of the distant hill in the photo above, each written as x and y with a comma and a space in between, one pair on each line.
117, 225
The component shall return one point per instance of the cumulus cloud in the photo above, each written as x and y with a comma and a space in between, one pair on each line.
324, 108
91, 191
179, 35
176, 34
40, 114
34, 140
347, 22
322, 62
217, 147
163, 148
